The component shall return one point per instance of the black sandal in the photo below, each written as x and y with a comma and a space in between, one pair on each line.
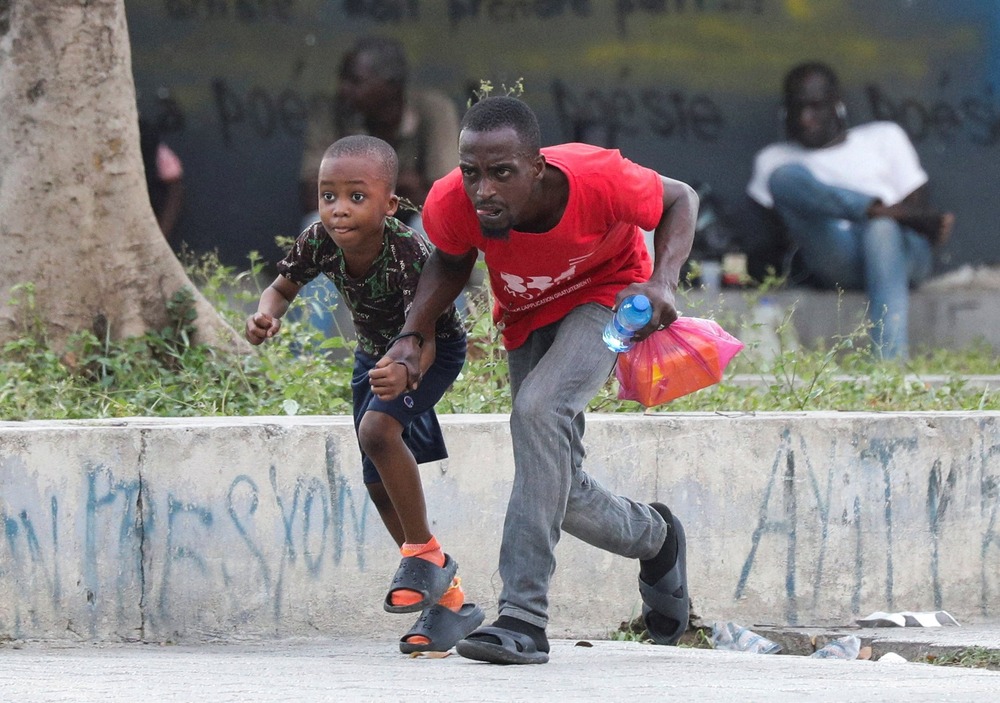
443, 627
424, 577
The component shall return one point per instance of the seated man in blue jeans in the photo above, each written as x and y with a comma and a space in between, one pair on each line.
854, 202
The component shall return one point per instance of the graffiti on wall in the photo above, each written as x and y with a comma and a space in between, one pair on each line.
862, 511
159, 547
971, 117
858, 519
457, 12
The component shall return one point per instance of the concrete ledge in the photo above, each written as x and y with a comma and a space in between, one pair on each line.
978, 382
260, 527
939, 319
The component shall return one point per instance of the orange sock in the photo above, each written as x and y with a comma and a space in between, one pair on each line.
453, 599
432, 552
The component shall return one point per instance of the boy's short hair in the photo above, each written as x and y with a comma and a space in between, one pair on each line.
368, 147
500, 111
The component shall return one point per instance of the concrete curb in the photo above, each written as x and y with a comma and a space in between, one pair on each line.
222, 528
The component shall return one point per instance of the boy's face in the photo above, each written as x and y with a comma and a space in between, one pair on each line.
354, 200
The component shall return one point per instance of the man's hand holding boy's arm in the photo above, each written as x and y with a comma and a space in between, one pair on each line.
392, 377
389, 378
404, 364
441, 280
274, 302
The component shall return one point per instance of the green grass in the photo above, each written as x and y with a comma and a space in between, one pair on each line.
972, 658
301, 372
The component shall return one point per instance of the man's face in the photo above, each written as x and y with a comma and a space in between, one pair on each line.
499, 177
812, 113
361, 88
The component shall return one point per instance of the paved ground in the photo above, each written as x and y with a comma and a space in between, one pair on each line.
362, 670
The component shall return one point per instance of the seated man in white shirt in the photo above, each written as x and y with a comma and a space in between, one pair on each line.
854, 202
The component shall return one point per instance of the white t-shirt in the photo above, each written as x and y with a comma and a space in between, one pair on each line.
876, 159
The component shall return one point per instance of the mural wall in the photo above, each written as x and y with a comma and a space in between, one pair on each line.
689, 87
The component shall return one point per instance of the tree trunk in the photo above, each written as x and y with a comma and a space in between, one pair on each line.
75, 217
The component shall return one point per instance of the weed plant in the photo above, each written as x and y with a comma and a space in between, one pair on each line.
971, 658
301, 371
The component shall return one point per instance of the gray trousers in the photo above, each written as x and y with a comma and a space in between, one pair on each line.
554, 375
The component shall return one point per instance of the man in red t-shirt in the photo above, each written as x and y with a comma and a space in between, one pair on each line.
561, 233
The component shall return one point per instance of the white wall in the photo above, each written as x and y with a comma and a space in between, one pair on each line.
260, 527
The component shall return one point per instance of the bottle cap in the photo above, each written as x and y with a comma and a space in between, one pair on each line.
640, 302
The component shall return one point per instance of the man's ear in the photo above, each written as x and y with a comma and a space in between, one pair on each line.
539, 167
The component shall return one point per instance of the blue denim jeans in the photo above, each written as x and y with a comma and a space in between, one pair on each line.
842, 248
553, 376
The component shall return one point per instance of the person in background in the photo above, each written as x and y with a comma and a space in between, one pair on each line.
375, 261
854, 201
561, 229
374, 97
164, 178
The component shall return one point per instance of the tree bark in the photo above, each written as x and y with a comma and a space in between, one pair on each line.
75, 217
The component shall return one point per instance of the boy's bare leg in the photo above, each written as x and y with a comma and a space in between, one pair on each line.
402, 507
380, 498
382, 439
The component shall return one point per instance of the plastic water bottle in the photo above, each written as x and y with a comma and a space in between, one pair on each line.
633, 314
768, 319
768, 332
843, 648
736, 638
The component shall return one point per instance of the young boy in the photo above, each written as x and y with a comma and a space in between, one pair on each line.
375, 262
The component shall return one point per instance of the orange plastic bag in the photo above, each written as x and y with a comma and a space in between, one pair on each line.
690, 354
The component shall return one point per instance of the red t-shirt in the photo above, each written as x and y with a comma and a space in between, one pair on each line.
597, 248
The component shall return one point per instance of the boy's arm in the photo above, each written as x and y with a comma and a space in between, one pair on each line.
274, 302
672, 240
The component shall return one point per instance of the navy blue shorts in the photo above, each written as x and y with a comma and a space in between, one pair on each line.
414, 410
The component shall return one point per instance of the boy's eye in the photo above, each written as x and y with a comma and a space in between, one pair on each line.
357, 197
328, 197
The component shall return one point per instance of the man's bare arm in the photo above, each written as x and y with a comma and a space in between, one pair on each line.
441, 280
672, 240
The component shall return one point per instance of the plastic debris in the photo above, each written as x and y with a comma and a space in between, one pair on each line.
736, 638
908, 618
891, 658
841, 648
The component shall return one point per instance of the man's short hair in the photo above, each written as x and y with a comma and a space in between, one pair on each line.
389, 57
499, 112
798, 74
368, 147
